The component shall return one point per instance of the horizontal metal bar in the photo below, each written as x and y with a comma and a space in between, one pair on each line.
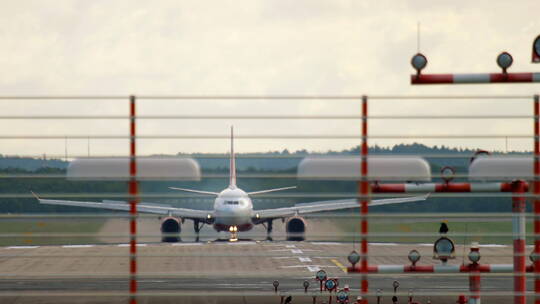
270, 136
293, 155
302, 117
265, 97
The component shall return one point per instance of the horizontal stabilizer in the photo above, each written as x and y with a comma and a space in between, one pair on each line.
271, 190
194, 191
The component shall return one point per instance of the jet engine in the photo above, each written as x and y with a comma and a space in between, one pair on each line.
296, 229
170, 229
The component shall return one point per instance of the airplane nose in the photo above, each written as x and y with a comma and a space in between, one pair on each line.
232, 216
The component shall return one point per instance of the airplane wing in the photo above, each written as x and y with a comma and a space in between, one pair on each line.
333, 205
142, 207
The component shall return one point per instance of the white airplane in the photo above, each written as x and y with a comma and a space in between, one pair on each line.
233, 209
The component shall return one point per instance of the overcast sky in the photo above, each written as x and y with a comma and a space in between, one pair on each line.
257, 48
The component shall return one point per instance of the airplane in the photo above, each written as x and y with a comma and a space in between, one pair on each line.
233, 210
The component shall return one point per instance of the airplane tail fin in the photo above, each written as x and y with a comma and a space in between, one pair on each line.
232, 166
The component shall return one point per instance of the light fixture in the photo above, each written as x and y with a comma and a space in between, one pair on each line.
474, 256
504, 60
447, 174
353, 257
414, 256
536, 50
320, 275
419, 62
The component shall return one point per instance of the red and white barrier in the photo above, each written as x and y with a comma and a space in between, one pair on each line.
442, 268
474, 78
443, 187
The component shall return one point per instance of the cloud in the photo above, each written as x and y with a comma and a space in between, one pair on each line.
252, 47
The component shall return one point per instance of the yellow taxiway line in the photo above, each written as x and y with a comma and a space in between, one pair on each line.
338, 264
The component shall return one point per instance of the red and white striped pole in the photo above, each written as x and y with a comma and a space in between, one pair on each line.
364, 201
474, 78
536, 189
474, 280
133, 200
518, 232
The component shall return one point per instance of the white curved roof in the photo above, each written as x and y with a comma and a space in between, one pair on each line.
147, 169
501, 168
380, 168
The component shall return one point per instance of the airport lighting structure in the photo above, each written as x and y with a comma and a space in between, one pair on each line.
504, 61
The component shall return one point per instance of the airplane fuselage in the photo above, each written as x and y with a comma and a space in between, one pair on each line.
233, 208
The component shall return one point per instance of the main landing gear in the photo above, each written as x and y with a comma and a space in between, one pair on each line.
197, 226
269, 228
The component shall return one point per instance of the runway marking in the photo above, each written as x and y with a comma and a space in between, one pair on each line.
127, 245
338, 264
243, 243
77, 246
297, 251
290, 246
304, 259
313, 268
22, 247
186, 244
327, 243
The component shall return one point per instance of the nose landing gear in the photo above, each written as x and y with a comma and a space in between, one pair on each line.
234, 233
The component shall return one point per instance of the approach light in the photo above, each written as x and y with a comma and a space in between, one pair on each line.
474, 255
353, 257
443, 249
536, 50
419, 62
504, 60
534, 257
447, 174
395, 284
330, 284
342, 296
414, 256
306, 285
320, 275
275, 284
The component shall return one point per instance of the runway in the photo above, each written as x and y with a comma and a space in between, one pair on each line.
218, 272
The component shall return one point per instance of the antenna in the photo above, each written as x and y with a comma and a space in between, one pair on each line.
65, 148
232, 166
418, 37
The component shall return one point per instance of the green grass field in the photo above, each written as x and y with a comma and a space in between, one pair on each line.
19, 232
26, 232
480, 231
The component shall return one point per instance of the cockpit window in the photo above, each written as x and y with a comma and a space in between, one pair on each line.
231, 202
